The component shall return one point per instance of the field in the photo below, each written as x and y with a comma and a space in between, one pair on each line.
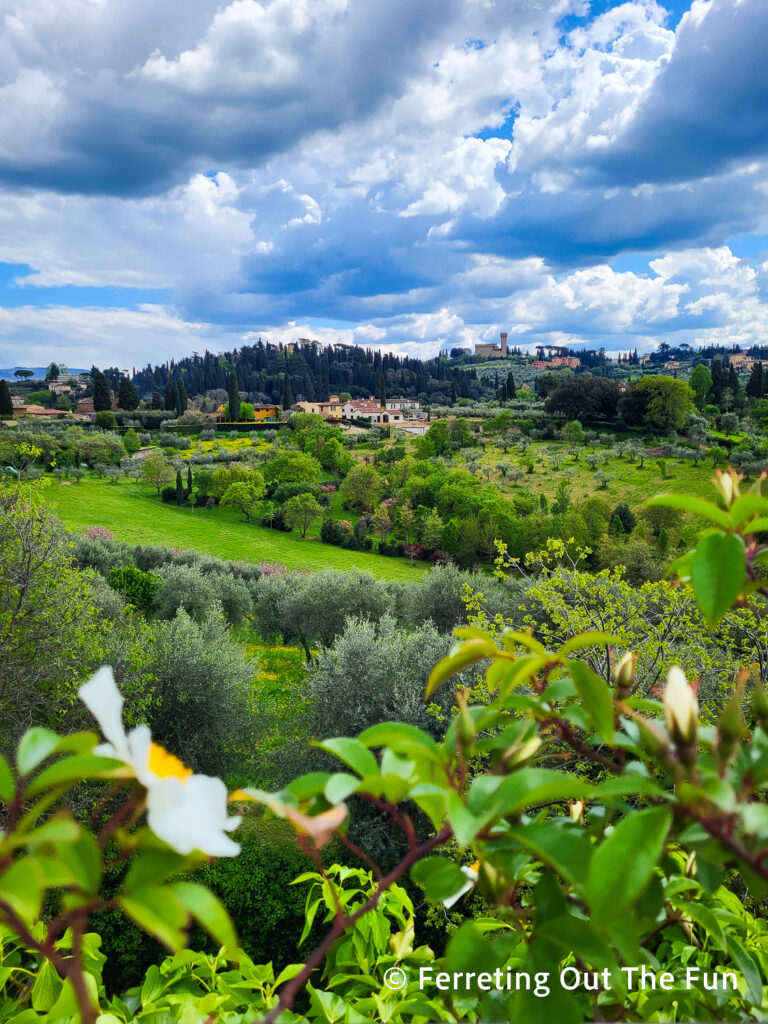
133, 513
628, 481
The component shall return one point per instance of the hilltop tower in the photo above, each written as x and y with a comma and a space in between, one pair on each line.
503, 336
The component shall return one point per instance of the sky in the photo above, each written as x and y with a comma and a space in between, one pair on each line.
410, 175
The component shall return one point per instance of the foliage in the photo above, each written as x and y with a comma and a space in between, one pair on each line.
156, 471
244, 497
302, 510
137, 587
49, 628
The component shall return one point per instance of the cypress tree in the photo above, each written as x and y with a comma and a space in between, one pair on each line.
181, 398
287, 400
382, 391
170, 396
127, 395
511, 388
755, 384
6, 405
102, 399
233, 407
719, 379
733, 380
189, 482
453, 392
179, 488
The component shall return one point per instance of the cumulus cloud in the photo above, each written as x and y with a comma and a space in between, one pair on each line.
426, 173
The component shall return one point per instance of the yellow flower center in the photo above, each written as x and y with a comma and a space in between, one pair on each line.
165, 765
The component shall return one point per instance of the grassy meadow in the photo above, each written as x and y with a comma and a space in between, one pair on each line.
629, 482
134, 513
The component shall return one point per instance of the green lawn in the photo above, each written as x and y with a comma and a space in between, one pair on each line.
133, 513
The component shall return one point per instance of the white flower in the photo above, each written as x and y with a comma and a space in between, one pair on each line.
681, 710
471, 873
187, 811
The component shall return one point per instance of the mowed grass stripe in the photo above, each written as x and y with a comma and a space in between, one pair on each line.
133, 513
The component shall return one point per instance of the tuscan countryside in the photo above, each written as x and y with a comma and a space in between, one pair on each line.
383, 511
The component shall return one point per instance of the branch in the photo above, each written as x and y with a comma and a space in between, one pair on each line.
294, 986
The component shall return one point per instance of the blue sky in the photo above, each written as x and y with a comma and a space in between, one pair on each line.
182, 174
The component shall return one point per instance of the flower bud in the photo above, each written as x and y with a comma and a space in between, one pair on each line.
624, 676
576, 811
728, 485
681, 710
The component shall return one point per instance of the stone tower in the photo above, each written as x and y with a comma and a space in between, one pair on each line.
503, 337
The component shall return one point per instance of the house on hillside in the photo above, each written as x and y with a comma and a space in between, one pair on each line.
261, 414
367, 409
329, 410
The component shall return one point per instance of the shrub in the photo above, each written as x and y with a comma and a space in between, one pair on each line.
168, 494
184, 587
105, 420
233, 595
201, 686
332, 533
284, 492
137, 587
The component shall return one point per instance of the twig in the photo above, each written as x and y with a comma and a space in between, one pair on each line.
294, 986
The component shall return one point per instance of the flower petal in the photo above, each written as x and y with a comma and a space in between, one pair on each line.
103, 699
192, 815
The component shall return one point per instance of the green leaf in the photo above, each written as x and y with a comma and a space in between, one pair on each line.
718, 573
74, 769
46, 989
626, 785
596, 698
353, 753
340, 786
687, 502
439, 877
747, 505
394, 734
287, 973
21, 886
567, 850
524, 788
158, 911
470, 652
748, 968
152, 867
83, 858
7, 782
208, 911
35, 745
61, 829
592, 638
623, 863
757, 526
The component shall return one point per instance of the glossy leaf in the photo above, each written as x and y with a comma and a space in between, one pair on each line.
35, 745
596, 698
353, 753
622, 864
208, 911
689, 503
7, 782
469, 653
718, 573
